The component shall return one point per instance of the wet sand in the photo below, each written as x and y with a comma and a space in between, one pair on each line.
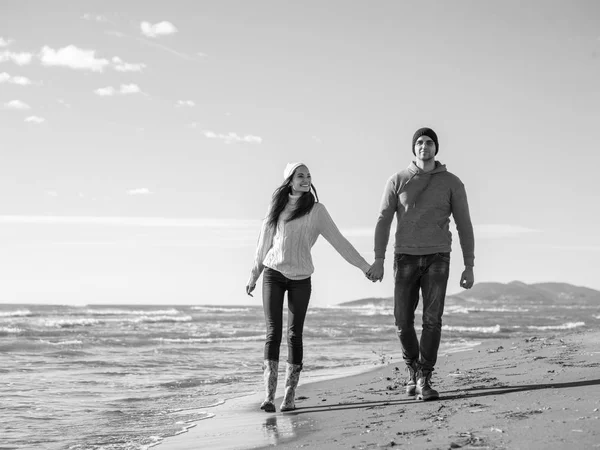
527, 393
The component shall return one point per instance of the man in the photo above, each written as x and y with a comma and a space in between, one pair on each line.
423, 197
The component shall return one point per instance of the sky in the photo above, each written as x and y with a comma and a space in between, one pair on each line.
141, 141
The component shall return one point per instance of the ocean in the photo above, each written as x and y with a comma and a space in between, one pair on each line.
117, 377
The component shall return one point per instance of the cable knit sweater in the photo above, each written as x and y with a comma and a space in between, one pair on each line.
287, 249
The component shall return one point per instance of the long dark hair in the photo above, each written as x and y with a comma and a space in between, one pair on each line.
280, 198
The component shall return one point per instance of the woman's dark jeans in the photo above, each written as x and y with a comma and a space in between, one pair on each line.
274, 286
429, 274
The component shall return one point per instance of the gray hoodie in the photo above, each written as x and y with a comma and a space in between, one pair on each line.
423, 203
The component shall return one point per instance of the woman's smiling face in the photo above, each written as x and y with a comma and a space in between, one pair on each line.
301, 181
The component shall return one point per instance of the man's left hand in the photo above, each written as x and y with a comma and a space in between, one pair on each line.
467, 279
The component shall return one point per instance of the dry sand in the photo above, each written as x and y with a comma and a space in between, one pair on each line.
533, 393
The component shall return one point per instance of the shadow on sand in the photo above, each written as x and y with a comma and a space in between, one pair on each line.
451, 395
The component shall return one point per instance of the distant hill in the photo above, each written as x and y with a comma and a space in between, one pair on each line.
513, 292
371, 301
519, 292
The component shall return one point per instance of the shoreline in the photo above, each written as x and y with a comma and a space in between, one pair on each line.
503, 394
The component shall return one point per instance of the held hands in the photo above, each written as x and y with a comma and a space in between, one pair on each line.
375, 273
467, 278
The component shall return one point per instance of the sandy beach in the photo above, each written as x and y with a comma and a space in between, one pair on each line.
531, 393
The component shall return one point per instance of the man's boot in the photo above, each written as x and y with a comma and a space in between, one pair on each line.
423, 389
411, 383
292, 375
270, 376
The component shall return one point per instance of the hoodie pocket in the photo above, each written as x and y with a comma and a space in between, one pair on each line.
419, 234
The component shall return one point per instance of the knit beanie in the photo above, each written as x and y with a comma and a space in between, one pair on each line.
425, 132
289, 169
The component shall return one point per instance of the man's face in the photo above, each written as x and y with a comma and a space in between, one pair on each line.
425, 148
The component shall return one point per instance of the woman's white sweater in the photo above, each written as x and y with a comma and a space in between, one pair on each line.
287, 248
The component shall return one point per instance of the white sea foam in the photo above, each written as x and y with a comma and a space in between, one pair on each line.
71, 342
491, 330
66, 323
597, 317
11, 330
16, 313
458, 309
155, 319
503, 309
219, 309
564, 326
375, 311
210, 340
455, 347
129, 312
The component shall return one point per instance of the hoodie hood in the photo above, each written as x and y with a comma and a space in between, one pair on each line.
416, 170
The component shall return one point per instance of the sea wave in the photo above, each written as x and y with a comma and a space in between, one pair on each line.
363, 310
129, 312
219, 309
155, 319
71, 342
459, 309
10, 330
461, 329
86, 322
16, 313
210, 340
564, 326
69, 323
193, 382
458, 346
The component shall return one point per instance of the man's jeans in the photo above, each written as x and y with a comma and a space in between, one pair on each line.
428, 273
274, 286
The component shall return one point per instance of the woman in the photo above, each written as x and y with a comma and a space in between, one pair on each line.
294, 222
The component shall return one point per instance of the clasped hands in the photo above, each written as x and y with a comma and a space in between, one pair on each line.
375, 273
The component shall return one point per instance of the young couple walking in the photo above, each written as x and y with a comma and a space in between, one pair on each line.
422, 197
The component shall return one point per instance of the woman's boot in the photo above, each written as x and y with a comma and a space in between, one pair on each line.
270, 376
292, 375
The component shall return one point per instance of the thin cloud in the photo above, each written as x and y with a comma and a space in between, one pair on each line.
496, 231
139, 191
72, 57
130, 89
94, 17
577, 248
35, 119
105, 92
231, 138
16, 104
121, 66
150, 43
158, 29
124, 89
5, 42
51, 193
133, 222
317, 139
185, 103
6, 78
487, 231
20, 59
